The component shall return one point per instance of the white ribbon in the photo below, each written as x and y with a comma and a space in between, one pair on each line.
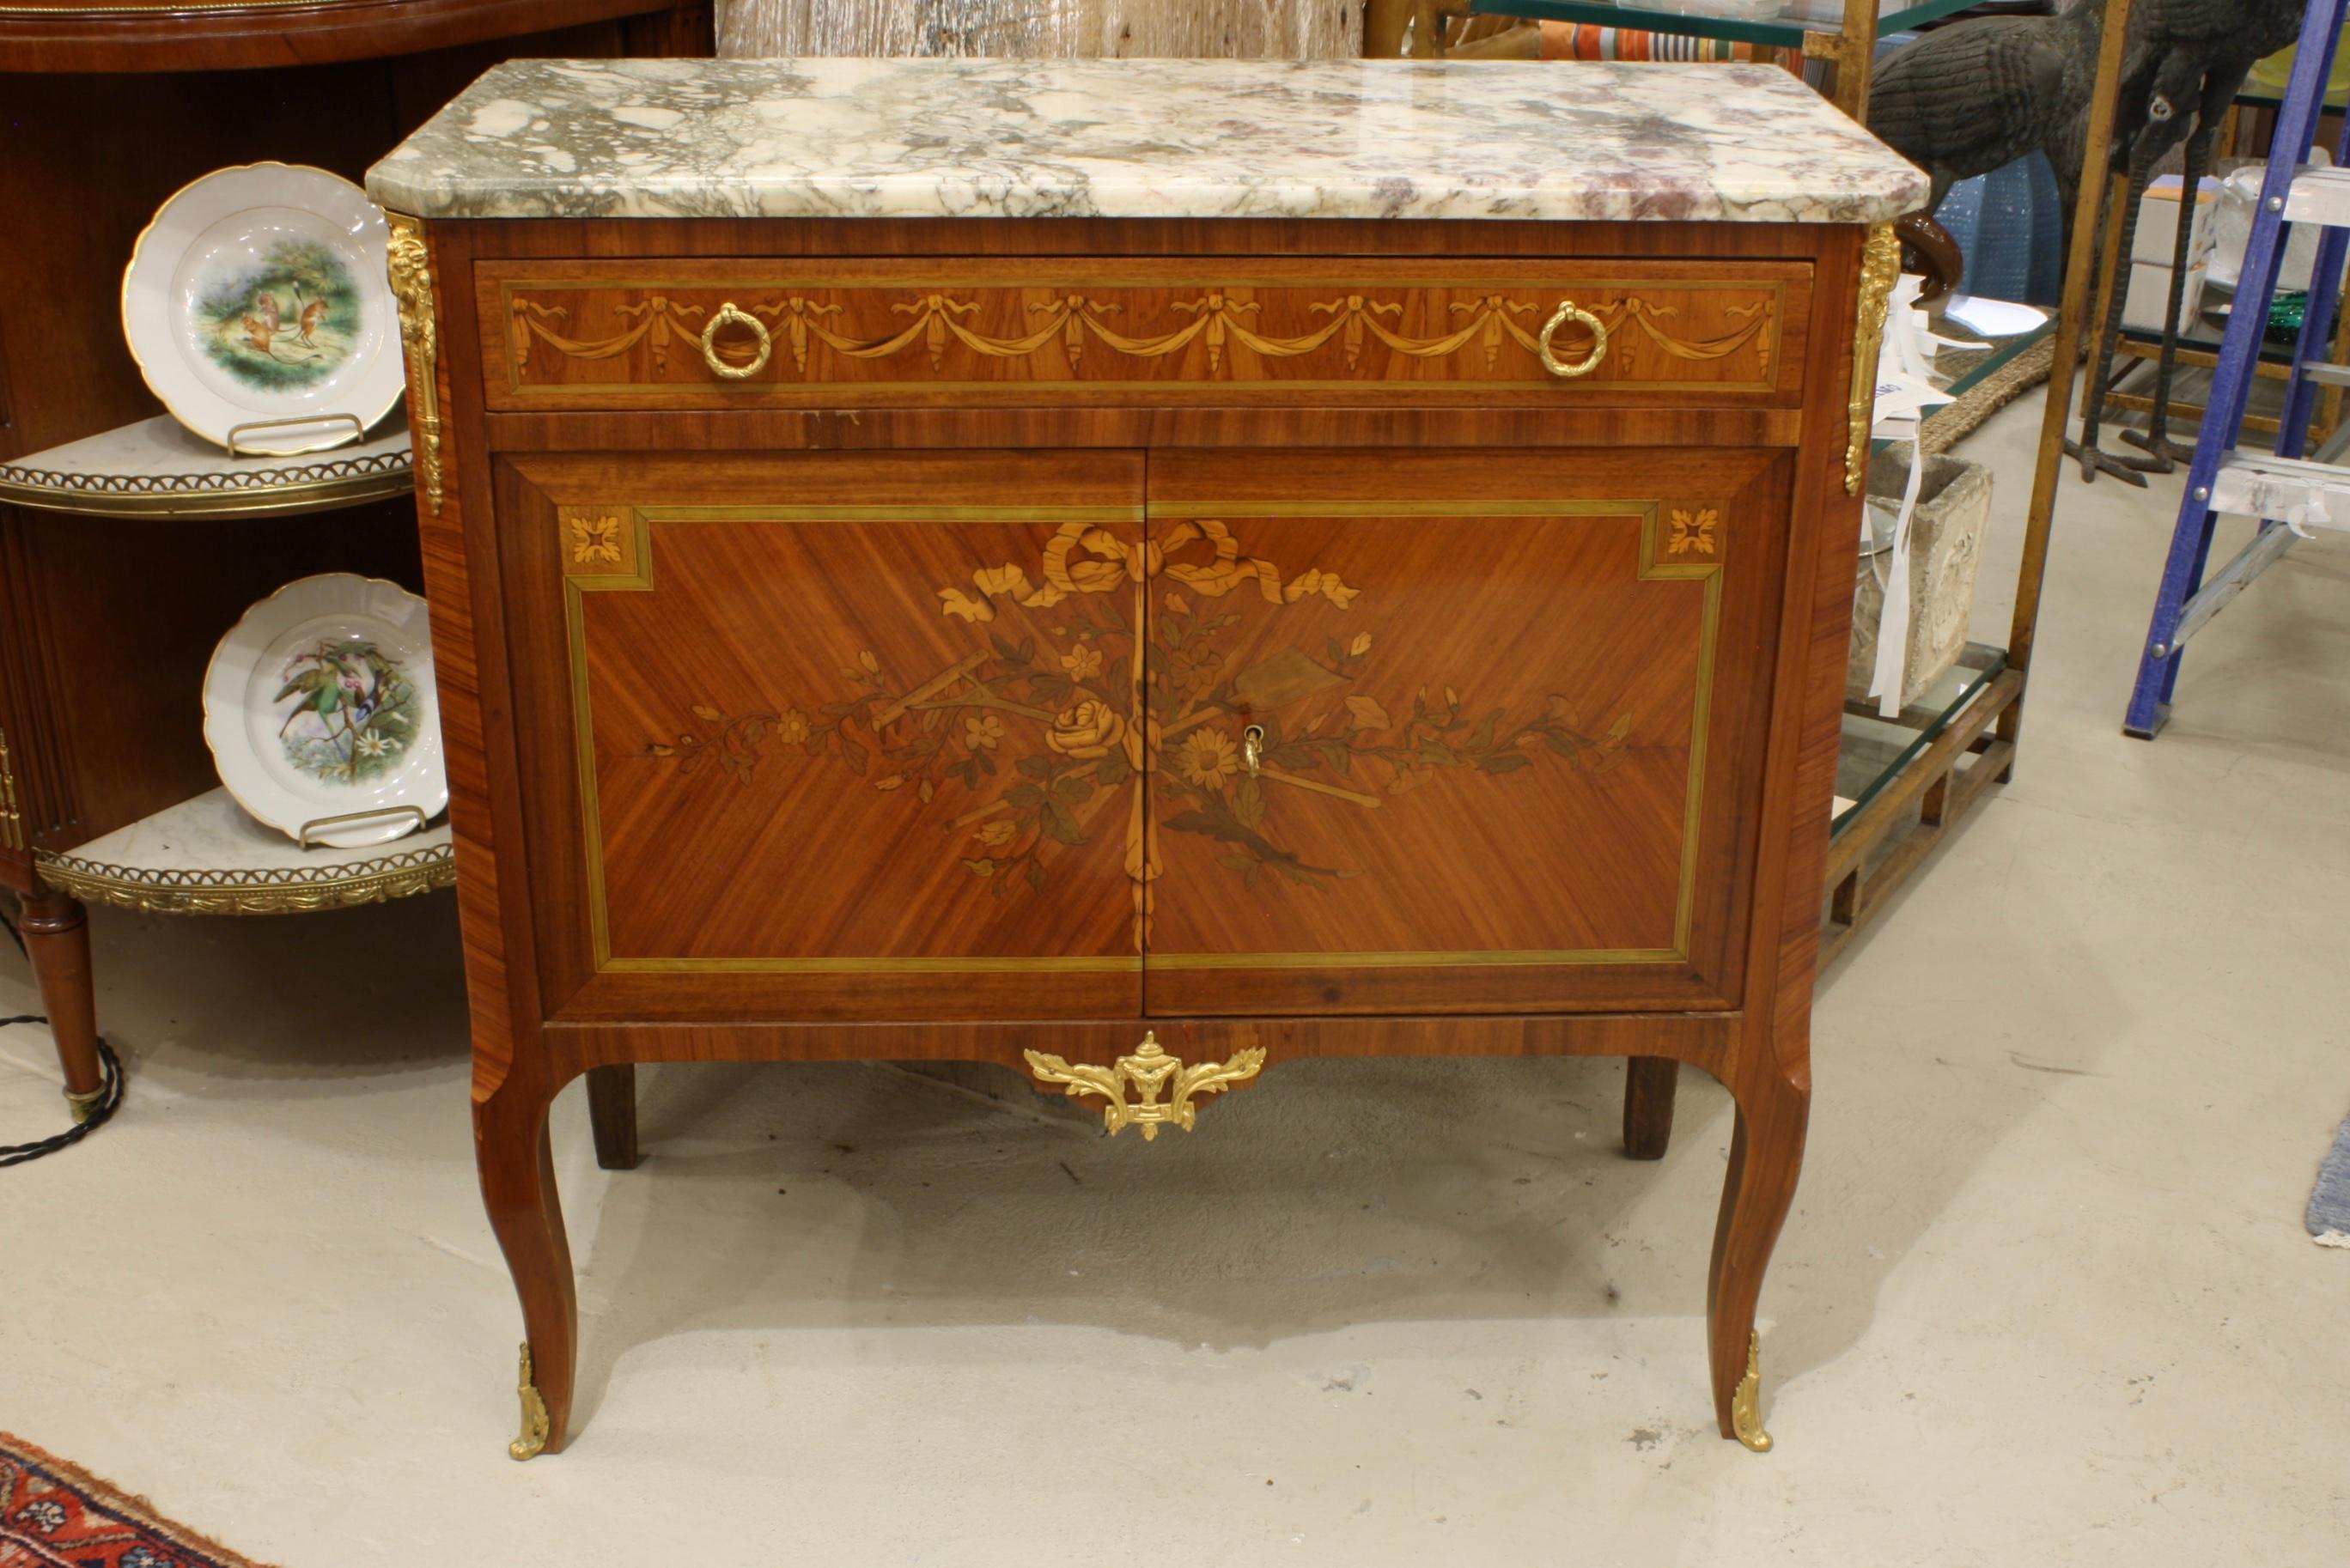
1893, 621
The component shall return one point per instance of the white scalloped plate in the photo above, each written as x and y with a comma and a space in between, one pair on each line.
320, 703
258, 293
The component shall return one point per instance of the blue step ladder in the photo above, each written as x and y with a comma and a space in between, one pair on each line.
2286, 491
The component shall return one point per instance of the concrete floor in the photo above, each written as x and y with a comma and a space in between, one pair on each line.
2045, 1297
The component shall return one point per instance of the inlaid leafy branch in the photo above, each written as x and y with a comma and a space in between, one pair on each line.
1042, 726
1342, 746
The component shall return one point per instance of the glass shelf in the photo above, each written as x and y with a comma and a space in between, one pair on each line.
1961, 370
1876, 750
1971, 373
1782, 32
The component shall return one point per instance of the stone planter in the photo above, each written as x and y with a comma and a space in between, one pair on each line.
1946, 544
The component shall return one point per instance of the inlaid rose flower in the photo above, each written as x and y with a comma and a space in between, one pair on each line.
1086, 731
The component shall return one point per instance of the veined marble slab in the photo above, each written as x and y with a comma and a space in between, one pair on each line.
1163, 138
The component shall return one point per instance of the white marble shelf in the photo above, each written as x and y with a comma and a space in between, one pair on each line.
206, 856
158, 468
1144, 139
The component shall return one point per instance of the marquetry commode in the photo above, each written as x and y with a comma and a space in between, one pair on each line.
1139, 571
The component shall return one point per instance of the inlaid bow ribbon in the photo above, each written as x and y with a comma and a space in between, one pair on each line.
1082, 558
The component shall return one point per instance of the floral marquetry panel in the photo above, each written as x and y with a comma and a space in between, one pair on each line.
581, 334
844, 730
1487, 699
1299, 732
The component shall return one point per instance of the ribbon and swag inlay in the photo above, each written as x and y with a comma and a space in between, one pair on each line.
1216, 320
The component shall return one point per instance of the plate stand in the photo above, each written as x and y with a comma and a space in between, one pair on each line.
414, 813
301, 421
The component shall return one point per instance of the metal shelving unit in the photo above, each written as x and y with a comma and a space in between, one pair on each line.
1901, 782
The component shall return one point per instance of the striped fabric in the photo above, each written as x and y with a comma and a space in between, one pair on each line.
1583, 41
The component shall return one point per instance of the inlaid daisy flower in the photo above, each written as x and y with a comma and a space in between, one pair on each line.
1207, 759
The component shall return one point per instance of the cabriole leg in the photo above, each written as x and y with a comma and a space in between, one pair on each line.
1766, 1153
518, 1170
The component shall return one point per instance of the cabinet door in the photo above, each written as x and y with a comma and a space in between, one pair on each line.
829, 735
1511, 709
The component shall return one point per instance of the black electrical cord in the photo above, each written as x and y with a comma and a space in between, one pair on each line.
109, 1090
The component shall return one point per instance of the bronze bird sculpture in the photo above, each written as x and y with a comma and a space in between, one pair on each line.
1977, 95
2191, 58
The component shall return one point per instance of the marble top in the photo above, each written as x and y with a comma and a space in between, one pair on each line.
1147, 138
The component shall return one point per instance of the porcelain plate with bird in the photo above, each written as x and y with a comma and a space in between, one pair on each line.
258, 294
319, 704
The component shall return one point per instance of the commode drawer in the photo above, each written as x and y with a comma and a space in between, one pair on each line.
797, 332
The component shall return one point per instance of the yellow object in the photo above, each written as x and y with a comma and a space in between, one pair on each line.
410, 264
731, 313
535, 1424
2269, 77
1569, 311
1746, 1402
1880, 265
1149, 1070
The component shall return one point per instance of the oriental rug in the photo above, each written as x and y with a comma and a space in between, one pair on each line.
56, 1515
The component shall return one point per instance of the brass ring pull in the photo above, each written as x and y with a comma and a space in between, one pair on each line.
731, 313
1252, 747
1569, 311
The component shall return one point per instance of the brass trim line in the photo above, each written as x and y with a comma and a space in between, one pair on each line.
851, 965
576, 586
1341, 960
891, 514
1651, 569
